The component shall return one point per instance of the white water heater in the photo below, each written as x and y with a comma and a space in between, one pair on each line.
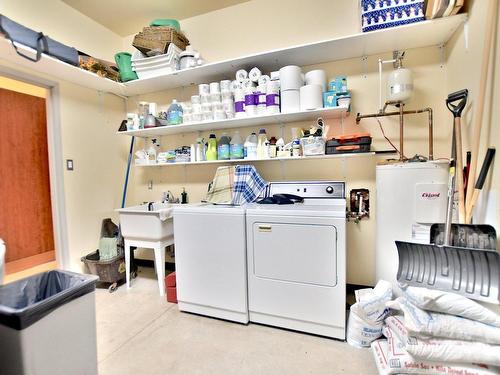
410, 198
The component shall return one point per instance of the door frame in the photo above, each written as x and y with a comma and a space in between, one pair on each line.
56, 169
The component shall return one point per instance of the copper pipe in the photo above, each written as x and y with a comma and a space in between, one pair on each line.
412, 112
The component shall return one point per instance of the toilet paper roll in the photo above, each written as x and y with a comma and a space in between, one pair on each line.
290, 101
263, 80
196, 108
317, 77
214, 88
195, 99
225, 85
254, 74
241, 75
311, 97
206, 107
226, 95
291, 77
204, 89
228, 105
205, 98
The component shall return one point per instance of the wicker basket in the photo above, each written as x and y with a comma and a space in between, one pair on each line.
158, 38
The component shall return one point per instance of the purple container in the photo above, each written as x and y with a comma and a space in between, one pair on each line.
239, 106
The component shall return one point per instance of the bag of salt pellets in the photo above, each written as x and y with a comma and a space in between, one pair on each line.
367, 315
441, 350
391, 358
450, 303
423, 323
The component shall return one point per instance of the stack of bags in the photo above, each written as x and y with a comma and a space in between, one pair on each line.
435, 332
366, 317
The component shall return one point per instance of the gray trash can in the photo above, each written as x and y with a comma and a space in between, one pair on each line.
47, 325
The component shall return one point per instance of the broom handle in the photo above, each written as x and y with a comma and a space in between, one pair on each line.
476, 131
459, 171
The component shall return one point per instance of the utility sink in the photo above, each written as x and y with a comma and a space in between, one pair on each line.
138, 223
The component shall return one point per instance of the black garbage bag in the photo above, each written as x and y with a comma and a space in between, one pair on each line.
26, 301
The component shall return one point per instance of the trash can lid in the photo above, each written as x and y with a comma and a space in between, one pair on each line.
26, 301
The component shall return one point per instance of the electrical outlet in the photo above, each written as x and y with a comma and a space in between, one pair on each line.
69, 164
150, 185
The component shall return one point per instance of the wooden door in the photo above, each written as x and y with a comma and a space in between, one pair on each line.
25, 204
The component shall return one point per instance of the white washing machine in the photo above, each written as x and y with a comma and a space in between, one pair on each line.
297, 259
210, 260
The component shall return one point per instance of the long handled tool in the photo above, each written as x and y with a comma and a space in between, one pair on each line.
490, 154
456, 103
489, 37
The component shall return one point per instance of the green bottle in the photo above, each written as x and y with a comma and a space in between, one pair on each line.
212, 148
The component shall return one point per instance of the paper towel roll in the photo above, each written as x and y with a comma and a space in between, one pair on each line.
241, 75
247, 83
235, 85
316, 77
291, 77
273, 87
263, 80
311, 97
290, 101
254, 74
275, 76
239, 95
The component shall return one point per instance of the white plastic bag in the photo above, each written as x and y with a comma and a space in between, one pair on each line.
367, 315
424, 323
391, 358
442, 350
450, 303
370, 303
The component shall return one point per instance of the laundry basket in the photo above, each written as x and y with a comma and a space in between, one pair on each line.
110, 271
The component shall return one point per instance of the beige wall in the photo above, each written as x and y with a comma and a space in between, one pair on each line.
89, 120
463, 71
65, 24
304, 23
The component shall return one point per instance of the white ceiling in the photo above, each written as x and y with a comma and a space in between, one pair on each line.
126, 17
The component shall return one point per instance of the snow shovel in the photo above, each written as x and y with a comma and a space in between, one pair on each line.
454, 263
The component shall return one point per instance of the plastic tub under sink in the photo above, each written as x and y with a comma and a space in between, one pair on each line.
136, 222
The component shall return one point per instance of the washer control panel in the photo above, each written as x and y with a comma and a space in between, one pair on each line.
309, 189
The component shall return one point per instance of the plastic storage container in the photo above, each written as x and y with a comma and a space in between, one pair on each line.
349, 143
47, 325
313, 146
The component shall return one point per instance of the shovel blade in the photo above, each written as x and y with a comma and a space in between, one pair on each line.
474, 273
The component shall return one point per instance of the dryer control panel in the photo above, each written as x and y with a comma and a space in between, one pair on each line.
309, 189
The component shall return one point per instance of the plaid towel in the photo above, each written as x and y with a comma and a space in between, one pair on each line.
235, 185
248, 185
220, 189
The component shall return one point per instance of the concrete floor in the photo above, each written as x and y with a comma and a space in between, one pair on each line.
140, 333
